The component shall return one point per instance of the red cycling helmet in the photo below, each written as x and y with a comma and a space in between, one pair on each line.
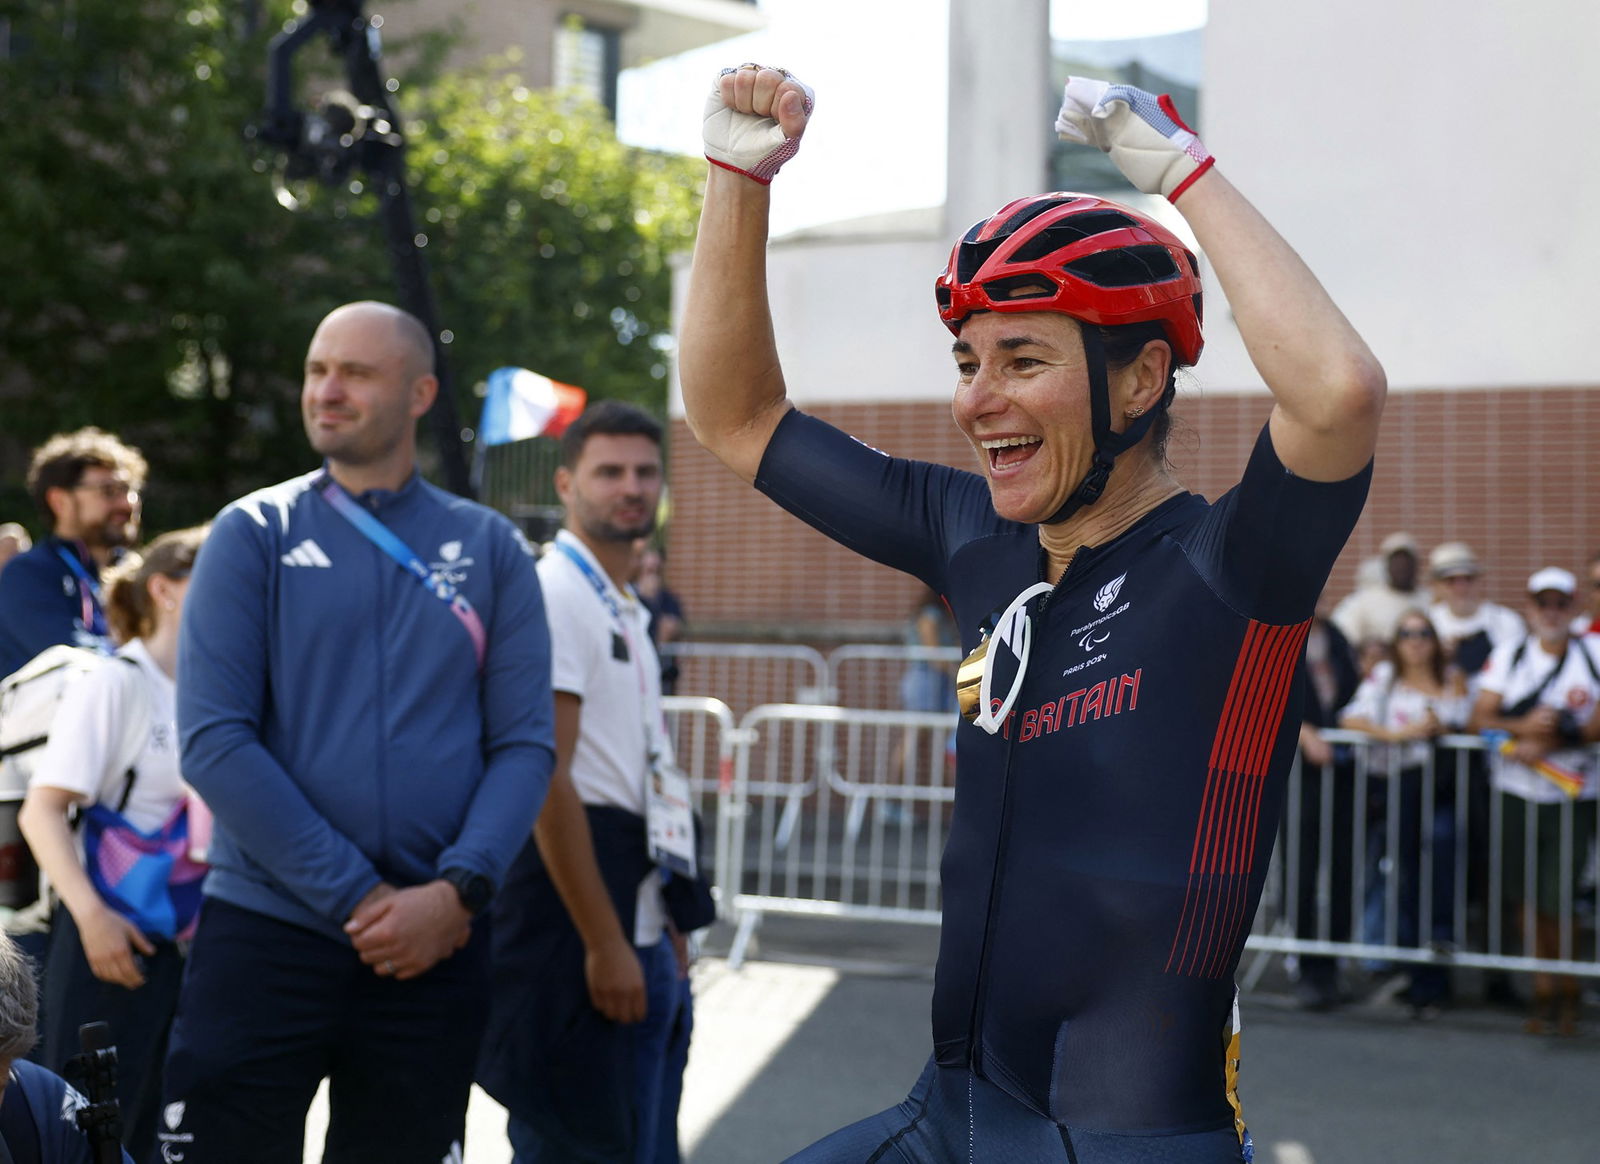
1095, 260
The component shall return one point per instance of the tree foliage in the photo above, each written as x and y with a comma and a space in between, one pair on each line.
551, 239
151, 284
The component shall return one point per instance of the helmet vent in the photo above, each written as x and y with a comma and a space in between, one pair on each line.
1068, 231
1031, 211
972, 255
1019, 287
1125, 267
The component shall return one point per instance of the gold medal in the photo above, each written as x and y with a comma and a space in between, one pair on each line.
969, 680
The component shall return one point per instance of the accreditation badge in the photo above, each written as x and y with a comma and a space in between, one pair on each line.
669, 818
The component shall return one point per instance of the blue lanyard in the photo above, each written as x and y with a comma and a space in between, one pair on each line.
651, 733
386, 540
594, 580
94, 617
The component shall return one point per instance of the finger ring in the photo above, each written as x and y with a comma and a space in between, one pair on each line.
388, 967
750, 65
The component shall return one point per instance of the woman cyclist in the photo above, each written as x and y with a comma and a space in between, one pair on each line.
1133, 646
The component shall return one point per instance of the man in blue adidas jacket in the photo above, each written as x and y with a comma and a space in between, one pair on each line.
365, 705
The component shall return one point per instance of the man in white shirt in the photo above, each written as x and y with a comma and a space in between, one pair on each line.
1541, 691
583, 941
1469, 626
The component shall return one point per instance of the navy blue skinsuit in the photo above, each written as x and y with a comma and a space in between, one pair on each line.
1109, 845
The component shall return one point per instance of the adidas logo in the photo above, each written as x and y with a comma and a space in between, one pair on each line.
307, 553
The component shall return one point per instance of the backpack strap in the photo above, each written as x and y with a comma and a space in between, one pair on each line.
1531, 700
135, 729
1594, 672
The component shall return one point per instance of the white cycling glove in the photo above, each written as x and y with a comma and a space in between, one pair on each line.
1143, 133
744, 143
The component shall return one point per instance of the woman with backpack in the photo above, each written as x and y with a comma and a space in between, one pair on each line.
108, 817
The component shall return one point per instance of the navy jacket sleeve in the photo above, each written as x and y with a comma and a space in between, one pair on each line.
1269, 543
518, 720
910, 515
222, 685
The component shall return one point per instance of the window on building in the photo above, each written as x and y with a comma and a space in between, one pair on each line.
587, 59
1155, 46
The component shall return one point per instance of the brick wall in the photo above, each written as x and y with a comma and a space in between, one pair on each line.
1515, 473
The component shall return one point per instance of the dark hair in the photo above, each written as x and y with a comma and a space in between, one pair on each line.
606, 418
59, 463
1122, 345
129, 608
1436, 660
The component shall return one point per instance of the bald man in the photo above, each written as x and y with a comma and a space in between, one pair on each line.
364, 702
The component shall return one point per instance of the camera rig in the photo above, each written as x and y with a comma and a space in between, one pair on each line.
358, 131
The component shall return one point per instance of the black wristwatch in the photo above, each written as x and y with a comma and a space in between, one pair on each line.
474, 889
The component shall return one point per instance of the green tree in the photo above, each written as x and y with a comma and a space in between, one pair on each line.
150, 282
550, 239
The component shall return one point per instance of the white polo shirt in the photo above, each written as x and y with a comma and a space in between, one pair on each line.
1574, 689
606, 660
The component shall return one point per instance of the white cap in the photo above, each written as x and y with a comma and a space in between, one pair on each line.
1553, 578
1397, 543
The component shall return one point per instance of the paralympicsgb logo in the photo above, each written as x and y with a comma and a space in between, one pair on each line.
1107, 594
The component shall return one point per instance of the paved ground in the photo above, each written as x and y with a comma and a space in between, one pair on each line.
788, 1048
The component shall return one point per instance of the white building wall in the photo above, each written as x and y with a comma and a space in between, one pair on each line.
1433, 164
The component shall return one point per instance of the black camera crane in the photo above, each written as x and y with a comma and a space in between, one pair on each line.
352, 131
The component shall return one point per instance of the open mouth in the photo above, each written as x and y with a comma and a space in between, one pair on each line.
1006, 452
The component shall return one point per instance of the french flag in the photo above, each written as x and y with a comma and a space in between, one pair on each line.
520, 404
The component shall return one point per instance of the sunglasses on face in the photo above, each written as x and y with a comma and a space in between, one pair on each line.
1413, 632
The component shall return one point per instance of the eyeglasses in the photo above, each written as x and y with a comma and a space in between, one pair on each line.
110, 490
1555, 602
1415, 632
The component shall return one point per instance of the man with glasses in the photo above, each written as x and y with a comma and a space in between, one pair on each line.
85, 485
1469, 625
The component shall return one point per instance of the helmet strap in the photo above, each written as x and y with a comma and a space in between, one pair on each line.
1108, 443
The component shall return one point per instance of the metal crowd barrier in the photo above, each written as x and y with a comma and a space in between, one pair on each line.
703, 735
1391, 858
838, 813
843, 813
746, 675
868, 674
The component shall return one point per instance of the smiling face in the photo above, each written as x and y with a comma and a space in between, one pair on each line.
1022, 399
366, 383
101, 510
